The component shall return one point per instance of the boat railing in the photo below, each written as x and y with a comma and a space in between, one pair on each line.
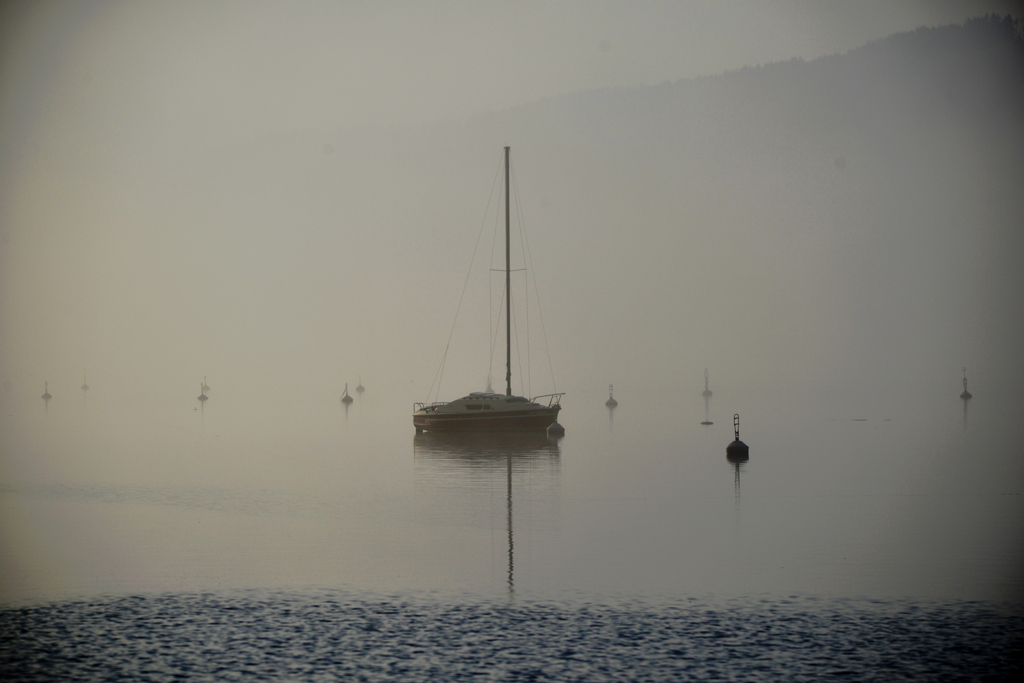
553, 399
416, 407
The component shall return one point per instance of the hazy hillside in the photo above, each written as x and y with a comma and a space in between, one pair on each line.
847, 213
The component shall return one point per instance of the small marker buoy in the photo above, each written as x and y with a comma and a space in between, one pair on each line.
345, 398
737, 447
555, 429
966, 395
611, 402
707, 392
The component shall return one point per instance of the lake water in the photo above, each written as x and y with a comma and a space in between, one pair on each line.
864, 538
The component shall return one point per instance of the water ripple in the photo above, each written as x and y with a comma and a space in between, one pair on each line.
330, 636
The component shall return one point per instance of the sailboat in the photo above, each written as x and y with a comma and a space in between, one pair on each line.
484, 411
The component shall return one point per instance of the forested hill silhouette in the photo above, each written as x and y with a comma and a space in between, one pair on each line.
843, 210
964, 75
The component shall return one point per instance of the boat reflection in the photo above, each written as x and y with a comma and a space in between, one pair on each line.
528, 460
480, 450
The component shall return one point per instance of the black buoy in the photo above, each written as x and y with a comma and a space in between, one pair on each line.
966, 395
345, 398
555, 429
46, 391
360, 389
611, 402
737, 447
202, 392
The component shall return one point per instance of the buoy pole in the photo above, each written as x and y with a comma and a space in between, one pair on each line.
737, 448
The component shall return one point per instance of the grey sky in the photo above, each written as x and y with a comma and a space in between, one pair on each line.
241, 68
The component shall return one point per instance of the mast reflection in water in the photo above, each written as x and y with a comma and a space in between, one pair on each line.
528, 464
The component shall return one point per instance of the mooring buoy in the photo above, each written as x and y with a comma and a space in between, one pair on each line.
555, 429
737, 447
966, 395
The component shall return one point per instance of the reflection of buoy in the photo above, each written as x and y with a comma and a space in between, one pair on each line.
611, 402
737, 448
966, 395
345, 398
737, 458
46, 391
555, 429
707, 392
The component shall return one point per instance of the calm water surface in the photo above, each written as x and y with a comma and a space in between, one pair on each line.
865, 538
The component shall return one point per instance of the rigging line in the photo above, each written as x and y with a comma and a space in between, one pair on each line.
519, 357
490, 290
438, 376
526, 280
536, 293
490, 324
494, 243
497, 328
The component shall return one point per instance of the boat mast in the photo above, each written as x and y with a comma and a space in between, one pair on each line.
508, 290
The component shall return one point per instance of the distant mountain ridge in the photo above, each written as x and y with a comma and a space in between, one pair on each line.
963, 72
877, 190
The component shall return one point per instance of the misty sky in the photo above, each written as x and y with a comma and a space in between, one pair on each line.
134, 209
236, 69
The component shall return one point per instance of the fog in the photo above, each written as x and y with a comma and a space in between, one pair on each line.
285, 199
